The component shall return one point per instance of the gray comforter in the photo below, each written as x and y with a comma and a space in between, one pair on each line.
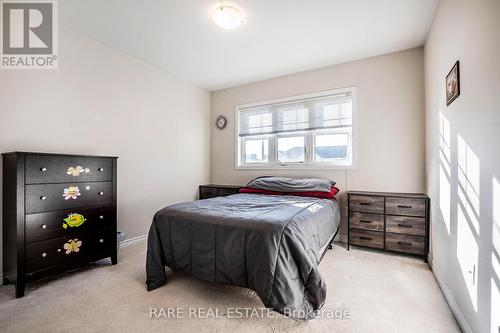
270, 244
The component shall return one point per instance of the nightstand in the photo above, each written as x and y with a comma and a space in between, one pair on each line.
212, 191
395, 222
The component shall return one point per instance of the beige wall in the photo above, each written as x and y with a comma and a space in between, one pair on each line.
465, 195
101, 101
390, 129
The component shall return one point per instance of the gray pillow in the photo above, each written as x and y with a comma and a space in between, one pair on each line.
283, 184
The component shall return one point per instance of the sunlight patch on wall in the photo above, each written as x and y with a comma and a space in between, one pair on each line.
495, 307
468, 180
496, 266
445, 137
445, 198
444, 170
495, 228
495, 258
467, 255
468, 216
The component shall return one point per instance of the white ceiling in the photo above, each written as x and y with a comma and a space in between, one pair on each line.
279, 37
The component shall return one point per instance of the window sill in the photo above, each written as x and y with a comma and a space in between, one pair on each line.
295, 167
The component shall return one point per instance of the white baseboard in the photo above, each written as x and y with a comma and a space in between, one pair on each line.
133, 240
457, 312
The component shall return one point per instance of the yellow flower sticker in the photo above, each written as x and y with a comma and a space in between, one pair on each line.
74, 220
76, 171
73, 245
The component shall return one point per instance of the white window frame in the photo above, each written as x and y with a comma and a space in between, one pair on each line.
258, 137
309, 137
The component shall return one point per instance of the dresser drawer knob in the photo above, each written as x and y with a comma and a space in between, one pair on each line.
101, 169
43, 169
43, 197
365, 221
101, 193
365, 238
404, 225
44, 226
101, 217
101, 240
404, 243
404, 206
44, 254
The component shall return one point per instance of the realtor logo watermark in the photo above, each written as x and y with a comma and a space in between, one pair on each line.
242, 313
29, 38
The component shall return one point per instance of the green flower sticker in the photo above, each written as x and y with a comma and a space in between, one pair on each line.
74, 220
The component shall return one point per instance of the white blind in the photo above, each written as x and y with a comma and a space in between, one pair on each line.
334, 111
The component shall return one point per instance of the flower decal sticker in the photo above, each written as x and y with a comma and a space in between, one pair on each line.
72, 192
74, 220
76, 171
73, 245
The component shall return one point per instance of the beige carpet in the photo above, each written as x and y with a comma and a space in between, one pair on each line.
383, 293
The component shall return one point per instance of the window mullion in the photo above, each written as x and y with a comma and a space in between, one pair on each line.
309, 147
273, 149
351, 144
242, 151
273, 141
309, 135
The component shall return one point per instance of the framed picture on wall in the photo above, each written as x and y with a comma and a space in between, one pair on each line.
453, 84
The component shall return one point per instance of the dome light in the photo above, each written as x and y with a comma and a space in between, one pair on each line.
227, 17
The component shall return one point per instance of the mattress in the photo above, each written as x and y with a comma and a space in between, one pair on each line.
271, 244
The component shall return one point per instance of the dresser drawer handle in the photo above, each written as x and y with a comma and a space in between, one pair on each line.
366, 238
44, 254
43, 169
404, 206
365, 221
101, 193
100, 169
43, 226
404, 243
404, 225
101, 240
101, 217
365, 204
43, 197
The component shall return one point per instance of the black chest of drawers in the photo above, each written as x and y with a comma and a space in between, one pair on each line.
395, 222
59, 212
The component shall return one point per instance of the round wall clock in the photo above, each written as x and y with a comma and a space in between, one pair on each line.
221, 122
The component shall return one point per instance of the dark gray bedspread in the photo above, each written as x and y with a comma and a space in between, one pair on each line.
270, 244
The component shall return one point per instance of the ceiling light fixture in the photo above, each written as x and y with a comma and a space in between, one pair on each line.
227, 17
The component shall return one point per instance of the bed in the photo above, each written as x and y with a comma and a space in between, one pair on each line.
271, 244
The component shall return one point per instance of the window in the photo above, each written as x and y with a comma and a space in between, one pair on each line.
291, 149
315, 130
256, 150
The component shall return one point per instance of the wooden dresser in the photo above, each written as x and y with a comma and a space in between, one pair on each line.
212, 191
59, 211
396, 222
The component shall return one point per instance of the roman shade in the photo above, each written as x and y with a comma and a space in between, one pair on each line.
325, 112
